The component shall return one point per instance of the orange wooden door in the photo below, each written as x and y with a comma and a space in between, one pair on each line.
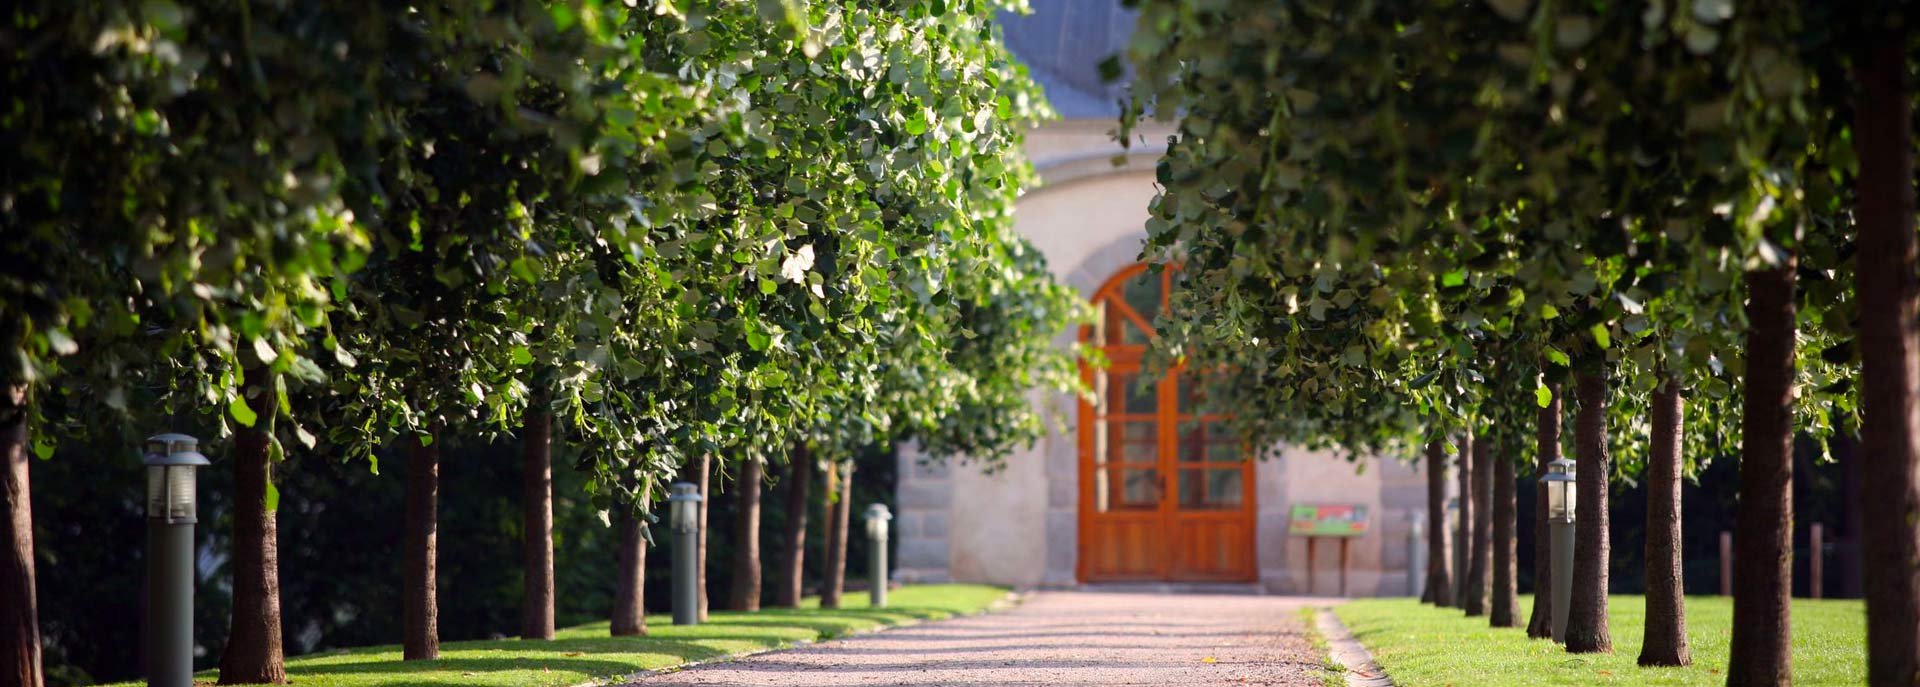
1165, 493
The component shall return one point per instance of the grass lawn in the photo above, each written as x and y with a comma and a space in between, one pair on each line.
1420, 645
585, 653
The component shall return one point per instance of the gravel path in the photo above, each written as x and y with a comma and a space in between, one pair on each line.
1055, 638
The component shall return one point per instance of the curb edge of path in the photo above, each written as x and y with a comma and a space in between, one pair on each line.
1013, 598
1353, 657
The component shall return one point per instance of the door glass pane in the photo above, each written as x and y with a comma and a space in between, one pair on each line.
1130, 442
1121, 489
1127, 393
1209, 441
1210, 488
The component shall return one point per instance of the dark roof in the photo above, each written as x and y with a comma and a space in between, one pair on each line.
1063, 42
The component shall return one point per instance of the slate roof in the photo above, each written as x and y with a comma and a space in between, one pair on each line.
1063, 42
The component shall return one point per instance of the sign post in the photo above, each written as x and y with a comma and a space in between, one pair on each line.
1342, 522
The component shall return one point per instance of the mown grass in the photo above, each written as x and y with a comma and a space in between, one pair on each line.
586, 653
1332, 673
1421, 646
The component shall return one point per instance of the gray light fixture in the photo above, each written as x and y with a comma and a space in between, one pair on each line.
683, 513
1561, 497
173, 463
877, 517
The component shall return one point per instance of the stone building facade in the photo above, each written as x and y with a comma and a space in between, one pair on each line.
1042, 521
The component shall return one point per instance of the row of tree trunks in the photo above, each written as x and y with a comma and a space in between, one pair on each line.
1547, 440
700, 473
832, 587
629, 607
791, 583
254, 653
421, 612
1503, 610
1464, 532
1763, 517
745, 593
19, 610
536, 504
1889, 357
1439, 586
1587, 613
1666, 621
1480, 546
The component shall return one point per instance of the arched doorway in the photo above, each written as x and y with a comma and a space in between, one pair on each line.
1165, 493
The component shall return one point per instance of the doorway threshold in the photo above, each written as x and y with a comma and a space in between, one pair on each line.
1237, 588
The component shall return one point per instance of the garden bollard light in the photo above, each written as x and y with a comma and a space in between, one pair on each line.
877, 517
1560, 512
172, 509
683, 511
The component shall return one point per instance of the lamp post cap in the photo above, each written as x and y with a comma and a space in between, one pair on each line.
1560, 470
879, 511
173, 448
683, 491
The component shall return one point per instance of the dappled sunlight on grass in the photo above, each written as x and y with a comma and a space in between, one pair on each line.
1421, 646
584, 653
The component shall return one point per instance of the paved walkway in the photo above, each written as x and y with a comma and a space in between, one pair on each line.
1055, 638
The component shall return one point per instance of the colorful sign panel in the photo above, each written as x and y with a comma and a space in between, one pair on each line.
1328, 520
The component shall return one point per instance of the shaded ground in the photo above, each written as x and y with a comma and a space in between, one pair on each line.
1055, 638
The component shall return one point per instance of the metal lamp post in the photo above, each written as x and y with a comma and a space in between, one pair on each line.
683, 505
877, 517
1560, 512
172, 509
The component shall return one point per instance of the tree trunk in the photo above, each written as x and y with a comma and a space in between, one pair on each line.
19, 606
536, 521
787, 592
745, 594
1547, 443
700, 473
1439, 545
1480, 567
841, 511
1587, 612
1463, 547
1890, 361
1763, 513
254, 653
1666, 630
1504, 609
421, 631
629, 593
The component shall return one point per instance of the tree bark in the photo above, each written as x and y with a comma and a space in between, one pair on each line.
745, 593
700, 473
787, 592
842, 510
1763, 514
1504, 609
1890, 360
536, 521
1439, 544
629, 593
254, 653
1463, 565
1547, 441
1480, 566
421, 631
19, 605
1666, 630
1587, 613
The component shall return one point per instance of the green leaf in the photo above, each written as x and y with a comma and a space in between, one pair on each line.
1601, 337
1558, 357
241, 412
273, 497
522, 356
1542, 396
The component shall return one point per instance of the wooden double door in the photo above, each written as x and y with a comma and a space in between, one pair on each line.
1166, 493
